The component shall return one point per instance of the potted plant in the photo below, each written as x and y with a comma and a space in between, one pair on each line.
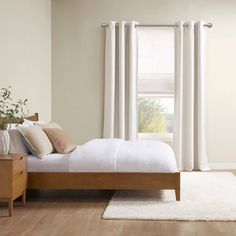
11, 112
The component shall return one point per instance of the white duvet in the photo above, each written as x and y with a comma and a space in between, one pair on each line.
109, 155
116, 155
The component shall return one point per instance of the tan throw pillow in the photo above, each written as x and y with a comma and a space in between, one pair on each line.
61, 141
36, 140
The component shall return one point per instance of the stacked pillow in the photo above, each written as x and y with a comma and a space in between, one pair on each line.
36, 140
40, 139
17, 142
60, 140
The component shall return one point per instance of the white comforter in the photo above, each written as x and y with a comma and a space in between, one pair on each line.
116, 155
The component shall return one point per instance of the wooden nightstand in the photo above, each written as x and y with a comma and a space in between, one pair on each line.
13, 178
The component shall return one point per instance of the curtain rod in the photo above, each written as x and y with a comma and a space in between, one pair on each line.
209, 25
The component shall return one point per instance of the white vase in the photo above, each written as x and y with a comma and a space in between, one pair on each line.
4, 142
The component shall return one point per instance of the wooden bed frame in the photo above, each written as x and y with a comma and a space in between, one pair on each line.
103, 180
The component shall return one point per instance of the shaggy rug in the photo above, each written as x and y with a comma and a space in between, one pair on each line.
205, 196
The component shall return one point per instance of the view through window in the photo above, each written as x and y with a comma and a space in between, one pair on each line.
156, 83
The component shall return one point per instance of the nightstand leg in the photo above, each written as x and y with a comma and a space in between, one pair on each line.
10, 206
24, 198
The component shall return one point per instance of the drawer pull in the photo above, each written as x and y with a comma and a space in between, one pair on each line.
20, 159
19, 173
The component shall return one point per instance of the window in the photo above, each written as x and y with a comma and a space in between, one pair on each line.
156, 83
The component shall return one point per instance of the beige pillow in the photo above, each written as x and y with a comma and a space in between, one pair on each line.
61, 141
49, 125
36, 140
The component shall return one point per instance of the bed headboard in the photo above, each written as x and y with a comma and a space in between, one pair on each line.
34, 117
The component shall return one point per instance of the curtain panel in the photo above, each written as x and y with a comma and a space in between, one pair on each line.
190, 96
120, 99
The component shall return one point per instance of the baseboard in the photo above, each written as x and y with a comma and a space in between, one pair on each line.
223, 165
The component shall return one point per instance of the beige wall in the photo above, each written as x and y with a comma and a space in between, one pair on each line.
78, 61
25, 51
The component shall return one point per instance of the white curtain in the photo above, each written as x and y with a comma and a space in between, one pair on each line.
190, 82
118, 124
109, 100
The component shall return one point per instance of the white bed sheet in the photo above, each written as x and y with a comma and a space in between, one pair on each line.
50, 163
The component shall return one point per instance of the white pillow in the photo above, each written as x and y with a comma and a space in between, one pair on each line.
27, 123
12, 126
49, 125
17, 144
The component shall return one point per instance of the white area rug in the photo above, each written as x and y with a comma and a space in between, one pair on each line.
208, 196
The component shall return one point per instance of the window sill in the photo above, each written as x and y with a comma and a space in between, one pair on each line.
168, 138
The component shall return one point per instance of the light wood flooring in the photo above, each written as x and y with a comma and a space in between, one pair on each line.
78, 213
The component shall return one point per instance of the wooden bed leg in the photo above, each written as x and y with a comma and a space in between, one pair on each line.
177, 194
178, 188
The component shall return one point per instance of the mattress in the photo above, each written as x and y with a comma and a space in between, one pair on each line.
109, 155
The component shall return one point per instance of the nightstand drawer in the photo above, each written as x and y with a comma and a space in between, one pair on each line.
13, 178
19, 165
19, 183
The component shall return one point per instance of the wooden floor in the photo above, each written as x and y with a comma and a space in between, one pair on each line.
78, 213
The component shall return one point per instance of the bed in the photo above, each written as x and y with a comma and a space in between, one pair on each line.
75, 171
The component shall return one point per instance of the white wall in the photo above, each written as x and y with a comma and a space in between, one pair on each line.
78, 62
25, 51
